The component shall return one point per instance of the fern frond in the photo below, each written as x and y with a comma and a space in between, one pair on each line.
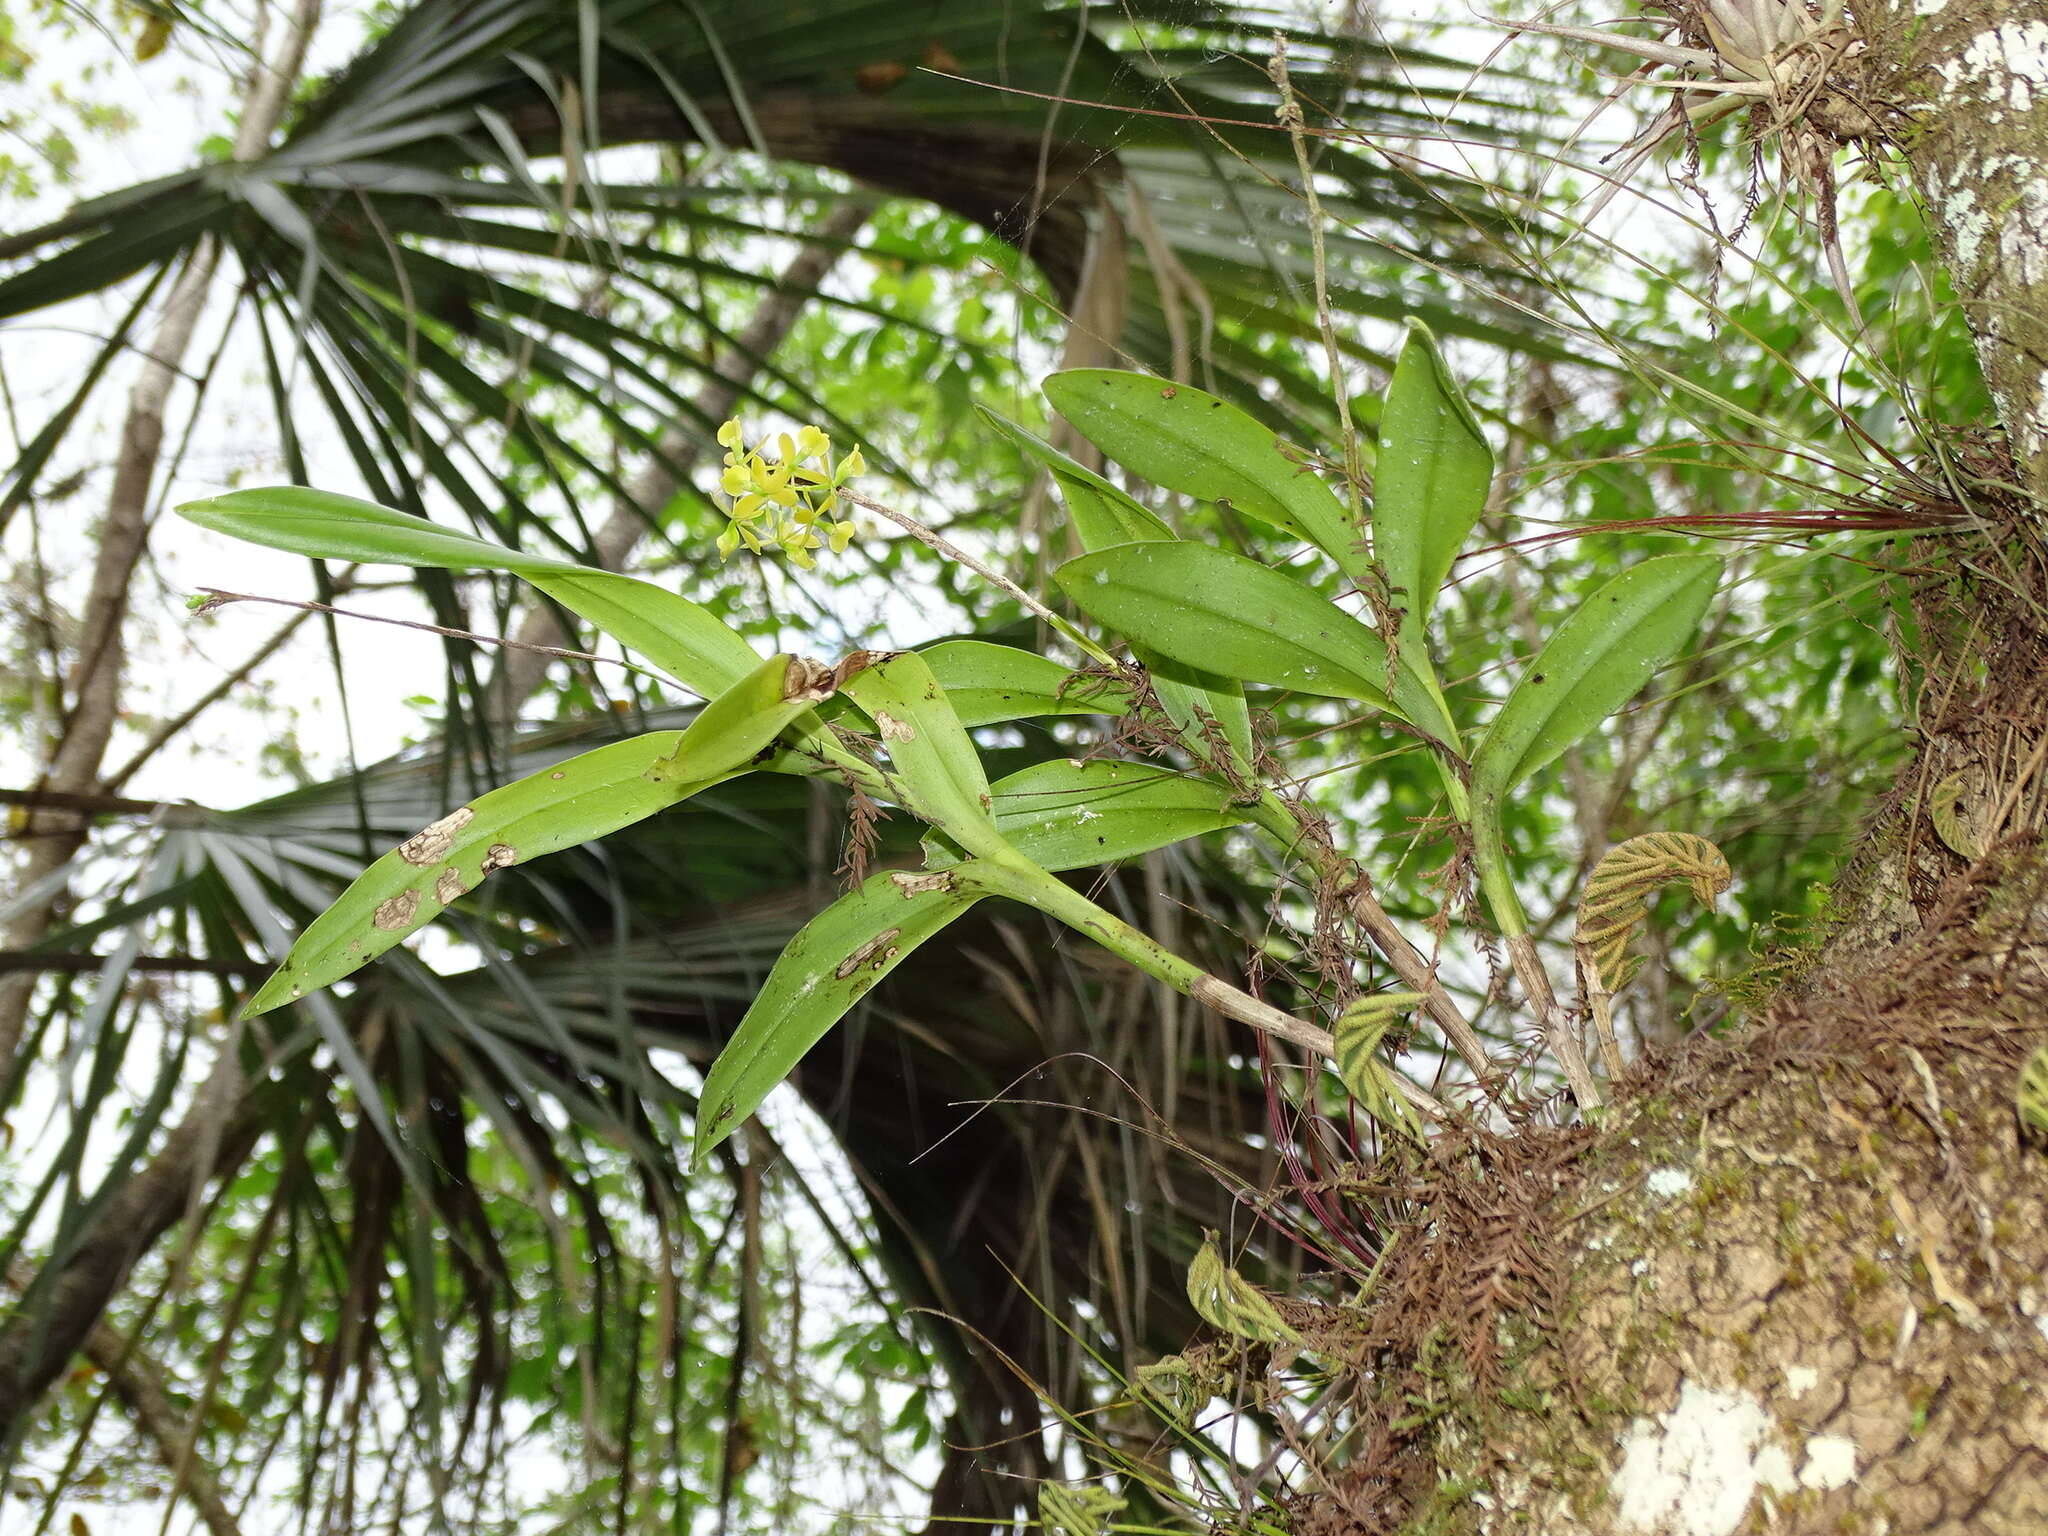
1618, 896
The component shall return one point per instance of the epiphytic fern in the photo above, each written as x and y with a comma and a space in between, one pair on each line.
1955, 819
1084, 1510
1617, 900
2032, 1100
1225, 1299
1172, 1385
1359, 1031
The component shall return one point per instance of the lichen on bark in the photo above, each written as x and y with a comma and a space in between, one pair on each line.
1964, 84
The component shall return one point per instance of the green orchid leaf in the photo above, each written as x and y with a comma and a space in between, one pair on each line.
583, 798
988, 684
1597, 661
1071, 814
1203, 707
1103, 516
1434, 472
682, 638
1194, 443
933, 764
743, 722
1194, 601
828, 967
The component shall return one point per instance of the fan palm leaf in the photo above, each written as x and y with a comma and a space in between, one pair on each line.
605, 969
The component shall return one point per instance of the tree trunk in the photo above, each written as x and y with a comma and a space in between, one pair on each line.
74, 764
1963, 88
1799, 1282
65, 1301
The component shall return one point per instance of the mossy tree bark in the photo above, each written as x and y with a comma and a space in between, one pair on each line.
1962, 88
1799, 1283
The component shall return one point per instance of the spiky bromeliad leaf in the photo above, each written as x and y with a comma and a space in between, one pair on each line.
573, 802
684, 639
1432, 476
1208, 607
828, 967
1225, 1299
1618, 895
1360, 1028
1194, 443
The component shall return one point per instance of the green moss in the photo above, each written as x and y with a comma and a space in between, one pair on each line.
1447, 1510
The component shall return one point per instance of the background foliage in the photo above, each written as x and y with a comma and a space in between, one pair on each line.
487, 269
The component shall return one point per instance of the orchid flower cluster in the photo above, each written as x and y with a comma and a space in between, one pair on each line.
787, 503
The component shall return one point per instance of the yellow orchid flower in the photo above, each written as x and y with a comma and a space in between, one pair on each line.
783, 505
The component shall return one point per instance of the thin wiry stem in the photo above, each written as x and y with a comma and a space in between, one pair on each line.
217, 598
1292, 120
939, 542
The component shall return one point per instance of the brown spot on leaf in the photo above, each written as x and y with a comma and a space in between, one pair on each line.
431, 843
808, 680
893, 729
917, 885
938, 56
883, 75
397, 912
500, 856
857, 661
449, 886
875, 951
